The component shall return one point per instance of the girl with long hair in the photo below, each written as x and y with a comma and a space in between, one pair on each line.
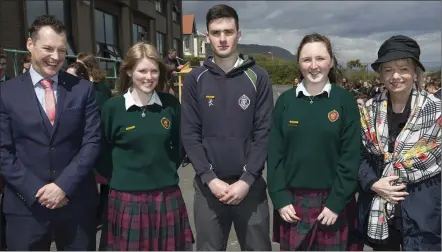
141, 154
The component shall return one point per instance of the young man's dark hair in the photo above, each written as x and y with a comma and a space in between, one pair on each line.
46, 20
221, 11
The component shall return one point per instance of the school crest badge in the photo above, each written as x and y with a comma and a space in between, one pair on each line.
333, 116
244, 102
165, 122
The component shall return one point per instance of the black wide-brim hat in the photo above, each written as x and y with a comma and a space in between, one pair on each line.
398, 47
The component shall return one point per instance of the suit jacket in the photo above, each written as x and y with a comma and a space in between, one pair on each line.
34, 153
6, 79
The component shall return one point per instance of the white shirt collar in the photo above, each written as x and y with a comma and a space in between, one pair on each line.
36, 77
301, 88
129, 100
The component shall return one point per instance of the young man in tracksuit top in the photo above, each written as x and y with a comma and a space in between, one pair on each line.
226, 109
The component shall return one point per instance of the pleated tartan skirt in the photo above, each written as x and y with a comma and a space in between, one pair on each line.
308, 233
154, 220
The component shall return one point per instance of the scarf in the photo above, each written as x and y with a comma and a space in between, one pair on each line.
416, 155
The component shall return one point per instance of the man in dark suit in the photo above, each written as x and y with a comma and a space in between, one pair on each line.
49, 142
2, 217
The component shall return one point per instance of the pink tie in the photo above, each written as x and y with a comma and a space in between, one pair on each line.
49, 99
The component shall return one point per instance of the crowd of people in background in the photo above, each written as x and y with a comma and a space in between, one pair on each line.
64, 132
364, 90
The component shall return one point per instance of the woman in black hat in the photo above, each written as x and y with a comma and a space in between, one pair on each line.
399, 177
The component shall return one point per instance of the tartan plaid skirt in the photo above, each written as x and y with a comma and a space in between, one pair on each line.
153, 220
309, 234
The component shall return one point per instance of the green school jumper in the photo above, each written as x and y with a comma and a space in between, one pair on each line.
141, 153
314, 146
102, 93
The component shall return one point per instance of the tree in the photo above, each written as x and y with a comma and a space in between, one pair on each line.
354, 64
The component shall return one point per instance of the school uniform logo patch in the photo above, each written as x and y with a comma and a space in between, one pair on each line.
165, 122
244, 102
333, 116
210, 99
293, 123
130, 128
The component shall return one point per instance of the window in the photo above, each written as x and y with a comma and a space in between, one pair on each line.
37, 8
160, 6
175, 12
139, 33
40, 7
105, 28
160, 43
186, 43
176, 44
202, 45
106, 39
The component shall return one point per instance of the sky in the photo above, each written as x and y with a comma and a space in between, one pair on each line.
356, 28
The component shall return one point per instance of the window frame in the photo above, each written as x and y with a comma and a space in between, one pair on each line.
114, 28
176, 45
186, 44
160, 6
135, 28
176, 14
66, 19
106, 49
162, 43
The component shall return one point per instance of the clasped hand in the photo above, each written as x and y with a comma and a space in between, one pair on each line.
326, 217
229, 194
51, 196
391, 193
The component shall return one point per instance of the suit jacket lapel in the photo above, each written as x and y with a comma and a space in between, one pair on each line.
30, 96
61, 94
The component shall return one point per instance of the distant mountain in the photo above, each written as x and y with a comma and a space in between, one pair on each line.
432, 66
277, 52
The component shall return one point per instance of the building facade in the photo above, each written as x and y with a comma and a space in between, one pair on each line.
194, 41
107, 28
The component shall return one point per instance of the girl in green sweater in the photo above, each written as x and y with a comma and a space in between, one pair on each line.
313, 156
141, 154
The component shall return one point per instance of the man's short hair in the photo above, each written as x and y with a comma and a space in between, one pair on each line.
2, 53
221, 11
172, 50
46, 20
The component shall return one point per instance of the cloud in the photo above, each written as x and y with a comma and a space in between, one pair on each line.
356, 29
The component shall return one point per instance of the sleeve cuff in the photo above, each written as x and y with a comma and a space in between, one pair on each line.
30, 199
207, 176
248, 178
280, 199
66, 188
335, 203
370, 184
